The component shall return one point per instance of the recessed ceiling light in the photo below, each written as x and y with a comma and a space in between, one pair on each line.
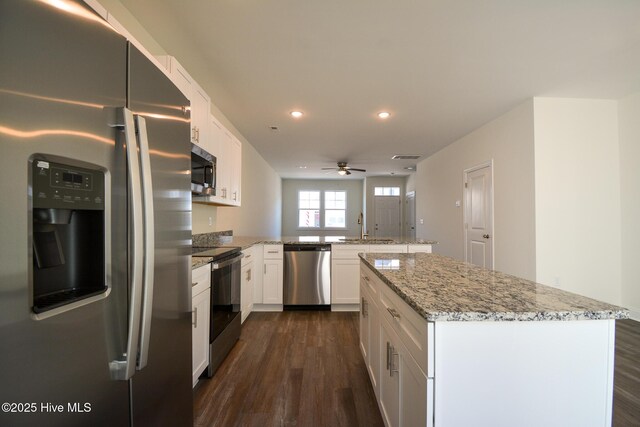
384, 114
296, 114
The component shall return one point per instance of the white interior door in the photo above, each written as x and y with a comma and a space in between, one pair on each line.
410, 215
387, 216
479, 216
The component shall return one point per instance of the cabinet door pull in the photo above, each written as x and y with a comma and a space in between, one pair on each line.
265, 268
388, 356
394, 313
393, 367
194, 317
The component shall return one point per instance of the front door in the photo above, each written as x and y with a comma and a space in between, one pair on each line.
478, 216
387, 216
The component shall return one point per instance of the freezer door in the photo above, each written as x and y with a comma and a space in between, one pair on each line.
62, 71
161, 391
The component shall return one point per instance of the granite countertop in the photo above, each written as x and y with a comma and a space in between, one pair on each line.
444, 289
246, 241
199, 261
226, 239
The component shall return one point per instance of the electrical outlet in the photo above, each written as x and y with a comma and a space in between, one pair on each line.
210, 221
556, 281
421, 221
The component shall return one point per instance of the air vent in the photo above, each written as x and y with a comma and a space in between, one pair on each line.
274, 128
405, 157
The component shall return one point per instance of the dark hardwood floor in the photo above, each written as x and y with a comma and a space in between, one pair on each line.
295, 368
626, 386
304, 368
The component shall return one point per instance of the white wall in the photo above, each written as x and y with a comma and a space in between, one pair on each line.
381, 181
629, 128
577, 196
508, 140
290, 188
410, 183
259, 214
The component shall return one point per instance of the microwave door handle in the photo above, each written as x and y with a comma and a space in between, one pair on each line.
149, 242
208, 172
124, 369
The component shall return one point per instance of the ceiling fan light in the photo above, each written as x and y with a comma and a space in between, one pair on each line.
342, 172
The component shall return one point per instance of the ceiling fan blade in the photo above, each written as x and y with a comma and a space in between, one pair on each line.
348, 173
326, 169
356, 169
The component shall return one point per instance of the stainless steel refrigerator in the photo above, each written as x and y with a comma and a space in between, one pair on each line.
95, 225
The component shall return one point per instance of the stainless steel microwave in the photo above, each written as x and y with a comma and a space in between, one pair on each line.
203, 172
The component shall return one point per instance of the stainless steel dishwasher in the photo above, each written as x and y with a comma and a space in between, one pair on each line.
307, 276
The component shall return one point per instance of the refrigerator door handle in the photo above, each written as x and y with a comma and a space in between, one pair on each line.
124, 369
149, 243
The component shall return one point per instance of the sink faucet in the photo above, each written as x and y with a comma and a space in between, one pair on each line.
363, 235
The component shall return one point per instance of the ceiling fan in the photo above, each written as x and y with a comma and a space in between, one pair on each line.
343, 169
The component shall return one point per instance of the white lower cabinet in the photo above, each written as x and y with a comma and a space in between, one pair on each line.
400, 384
272, 281
246, 290
345, 274
389, 383
200, 315
272, 274
370, 337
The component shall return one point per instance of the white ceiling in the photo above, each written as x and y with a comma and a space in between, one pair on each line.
442, 68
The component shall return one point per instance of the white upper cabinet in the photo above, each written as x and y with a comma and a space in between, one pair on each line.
177, 73
200, 122
211, 135
236, 171
200, 101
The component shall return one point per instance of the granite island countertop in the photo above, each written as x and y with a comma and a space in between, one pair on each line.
440, 288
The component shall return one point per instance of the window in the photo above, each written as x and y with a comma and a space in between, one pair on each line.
309, 209
332, 207
386, 191
335, 205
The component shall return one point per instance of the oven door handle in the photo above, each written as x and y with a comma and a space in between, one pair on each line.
226, 263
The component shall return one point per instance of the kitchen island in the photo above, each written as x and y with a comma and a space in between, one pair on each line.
450, 344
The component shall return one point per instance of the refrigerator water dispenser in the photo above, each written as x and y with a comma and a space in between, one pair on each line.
68, 234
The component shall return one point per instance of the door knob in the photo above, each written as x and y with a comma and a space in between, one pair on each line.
486, 236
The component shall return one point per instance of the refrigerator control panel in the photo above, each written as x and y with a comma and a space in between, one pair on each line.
59, 186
